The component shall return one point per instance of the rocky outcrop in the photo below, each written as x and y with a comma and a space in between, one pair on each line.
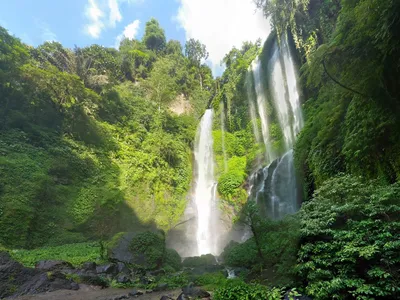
15, 279
143, 250
52, 265
181, 105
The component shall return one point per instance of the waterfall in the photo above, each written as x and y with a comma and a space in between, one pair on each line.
261, 105
205, 199
274, 187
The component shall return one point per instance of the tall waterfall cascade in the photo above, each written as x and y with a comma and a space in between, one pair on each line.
274, 99
205, 195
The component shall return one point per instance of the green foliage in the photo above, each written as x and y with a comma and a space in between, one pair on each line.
154, 36
229, 183
237, 289
150, 247
172, 259
349, 54
199, 261
174, 281
273, 247
349, 244
76, 254
195, 51
240, 255
85, 151
211, 281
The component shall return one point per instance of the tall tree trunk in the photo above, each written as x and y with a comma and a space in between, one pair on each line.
258, 244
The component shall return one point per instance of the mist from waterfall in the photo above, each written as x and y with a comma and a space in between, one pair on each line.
274, 187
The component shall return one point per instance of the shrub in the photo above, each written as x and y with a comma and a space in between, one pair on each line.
172, 259
211, 281
240, 255
148, 248
76, 254
198, 261
350, 247
238, 290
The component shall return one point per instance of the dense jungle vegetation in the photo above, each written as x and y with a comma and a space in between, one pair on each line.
90, 147
343, 243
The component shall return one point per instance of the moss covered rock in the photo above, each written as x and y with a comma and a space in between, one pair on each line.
172, 260
141, 249
200, 261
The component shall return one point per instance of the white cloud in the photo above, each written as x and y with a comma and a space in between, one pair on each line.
94, 15
129, 32
221, 24
47, 35
103, 14
115, 14
133, 1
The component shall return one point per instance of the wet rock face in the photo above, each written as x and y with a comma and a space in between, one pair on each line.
52, 265
12, 275
17, 280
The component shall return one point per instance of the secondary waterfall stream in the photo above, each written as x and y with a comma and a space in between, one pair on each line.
277, 102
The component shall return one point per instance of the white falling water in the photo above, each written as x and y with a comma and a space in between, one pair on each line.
274, 187
261, 105
252, 108
205, 198
293, 89
282, 105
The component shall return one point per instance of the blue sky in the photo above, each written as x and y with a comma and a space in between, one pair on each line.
219, 24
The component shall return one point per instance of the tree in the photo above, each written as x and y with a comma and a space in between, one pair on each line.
173, 48
161, 83
251, 218
55, 54
136, 59
154, 36
196, 52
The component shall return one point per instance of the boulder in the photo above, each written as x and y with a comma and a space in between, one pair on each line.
200, 261
135, 293
110, 269
144, 249
120, 297
16, 280
93, 279
123, 278
89, 266
122, 268
161, 287
166, 298
52, 265
195, 292
13, 275
199, 265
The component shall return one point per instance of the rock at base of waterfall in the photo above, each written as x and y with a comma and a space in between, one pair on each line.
199, 261
145, 249
135, 293
195, 292
16, 280
52, 265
